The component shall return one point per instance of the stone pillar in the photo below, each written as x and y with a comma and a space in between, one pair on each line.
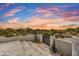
51, 42
40, 37
75, 46
74, 52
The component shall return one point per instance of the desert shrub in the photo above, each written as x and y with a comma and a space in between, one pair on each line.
59, 36
61, 53
21, 32
68, 36
9, 32
9, 35
1, 32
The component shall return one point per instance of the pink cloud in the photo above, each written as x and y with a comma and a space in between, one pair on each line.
41, 10
8, 14
12, 23
70, 13
46, 23
36, 23
14, 20
40, 21
71, 16
55, 9
1, 8
50, 11
13, 11
72, 19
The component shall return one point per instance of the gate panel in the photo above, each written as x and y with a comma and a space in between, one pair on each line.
46, 39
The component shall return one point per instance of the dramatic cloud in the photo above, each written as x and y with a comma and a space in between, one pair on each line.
70, 13
38, 23
13, 11
41, 10
48, 17
14, 20
47, 23
55, 9
12, 23
71, 16
72, 19
37, 20
50, 11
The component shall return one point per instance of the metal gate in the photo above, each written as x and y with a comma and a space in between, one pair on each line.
46, 39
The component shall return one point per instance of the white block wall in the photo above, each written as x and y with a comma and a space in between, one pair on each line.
62, 45
27, 37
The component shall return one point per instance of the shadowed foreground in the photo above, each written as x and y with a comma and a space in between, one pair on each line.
23, 48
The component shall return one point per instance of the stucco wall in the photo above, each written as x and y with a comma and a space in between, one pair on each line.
39, 37
27, 37
62, 45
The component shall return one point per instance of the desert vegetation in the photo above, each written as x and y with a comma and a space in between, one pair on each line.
10, 32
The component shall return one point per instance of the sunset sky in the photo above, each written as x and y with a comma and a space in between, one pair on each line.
40, 13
